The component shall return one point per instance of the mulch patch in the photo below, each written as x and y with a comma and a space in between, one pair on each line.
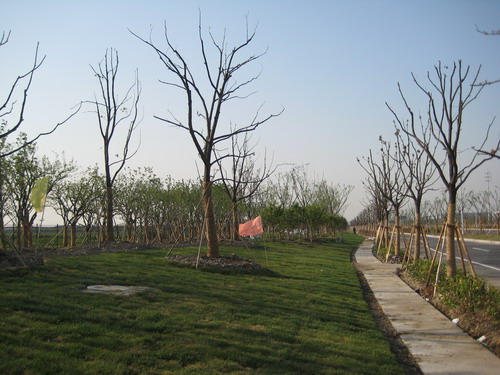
227, 263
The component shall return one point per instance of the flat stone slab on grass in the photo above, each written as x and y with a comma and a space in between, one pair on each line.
117, 289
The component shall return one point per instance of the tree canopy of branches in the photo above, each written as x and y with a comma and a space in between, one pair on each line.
452, 90
221, 79
14, 102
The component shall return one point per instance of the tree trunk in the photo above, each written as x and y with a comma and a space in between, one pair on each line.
236, 222
451, 266
2, 223
418, 234
27, 233
386, 230
110, 234
73, 234
3, 237
128, 226
65, 235
210, 224
397, 251
18, 239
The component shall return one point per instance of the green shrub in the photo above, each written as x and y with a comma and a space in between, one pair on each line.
470, 294
462, 292
419, 270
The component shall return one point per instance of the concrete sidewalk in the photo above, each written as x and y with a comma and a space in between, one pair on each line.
438, 345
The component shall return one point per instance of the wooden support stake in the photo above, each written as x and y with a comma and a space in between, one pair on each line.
472, 270
435, 256
438, 269
426, 244
390, 244
460, 248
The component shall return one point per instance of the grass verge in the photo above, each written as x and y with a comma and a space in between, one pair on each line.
309, 317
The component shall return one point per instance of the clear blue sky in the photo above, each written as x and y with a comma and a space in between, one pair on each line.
331, 64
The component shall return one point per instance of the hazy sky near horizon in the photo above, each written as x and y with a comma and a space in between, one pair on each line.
331, 65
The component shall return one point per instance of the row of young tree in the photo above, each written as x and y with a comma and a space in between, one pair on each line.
425, 150
476, 212
222, 80
155, 209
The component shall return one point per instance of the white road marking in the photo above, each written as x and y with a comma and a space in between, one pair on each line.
478, 248
479, 264
485, 265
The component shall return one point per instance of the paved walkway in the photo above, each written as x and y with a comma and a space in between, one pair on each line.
438, 345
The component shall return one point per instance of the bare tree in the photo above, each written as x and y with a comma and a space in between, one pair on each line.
376, 186
13, 105
389, 180
243, 179
448, 98
223, 87
464, 200
111, 112
496, 207
417, 174
491, 152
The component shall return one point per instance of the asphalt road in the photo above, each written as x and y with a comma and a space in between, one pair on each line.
485, 257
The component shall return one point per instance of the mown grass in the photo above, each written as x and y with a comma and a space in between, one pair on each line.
310, 318
484, 236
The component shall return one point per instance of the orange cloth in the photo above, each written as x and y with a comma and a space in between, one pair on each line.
252, 227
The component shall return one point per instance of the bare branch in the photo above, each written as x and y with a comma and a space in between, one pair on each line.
492, 32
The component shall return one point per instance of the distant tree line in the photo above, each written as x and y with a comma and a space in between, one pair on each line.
156, 209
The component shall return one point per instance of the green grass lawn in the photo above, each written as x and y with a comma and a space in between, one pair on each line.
310, 318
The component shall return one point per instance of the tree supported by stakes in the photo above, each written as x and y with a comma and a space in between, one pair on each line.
452, 90
220, 78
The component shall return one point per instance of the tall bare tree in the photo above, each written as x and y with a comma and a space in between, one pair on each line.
452, 90
220, 78
111, 112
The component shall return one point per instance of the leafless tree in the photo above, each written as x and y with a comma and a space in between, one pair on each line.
111, 112
496, 207
464, 200
13, 105
492, 152
243, 179
418, 176
375, 185
389, 181
448, 98
220, 77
